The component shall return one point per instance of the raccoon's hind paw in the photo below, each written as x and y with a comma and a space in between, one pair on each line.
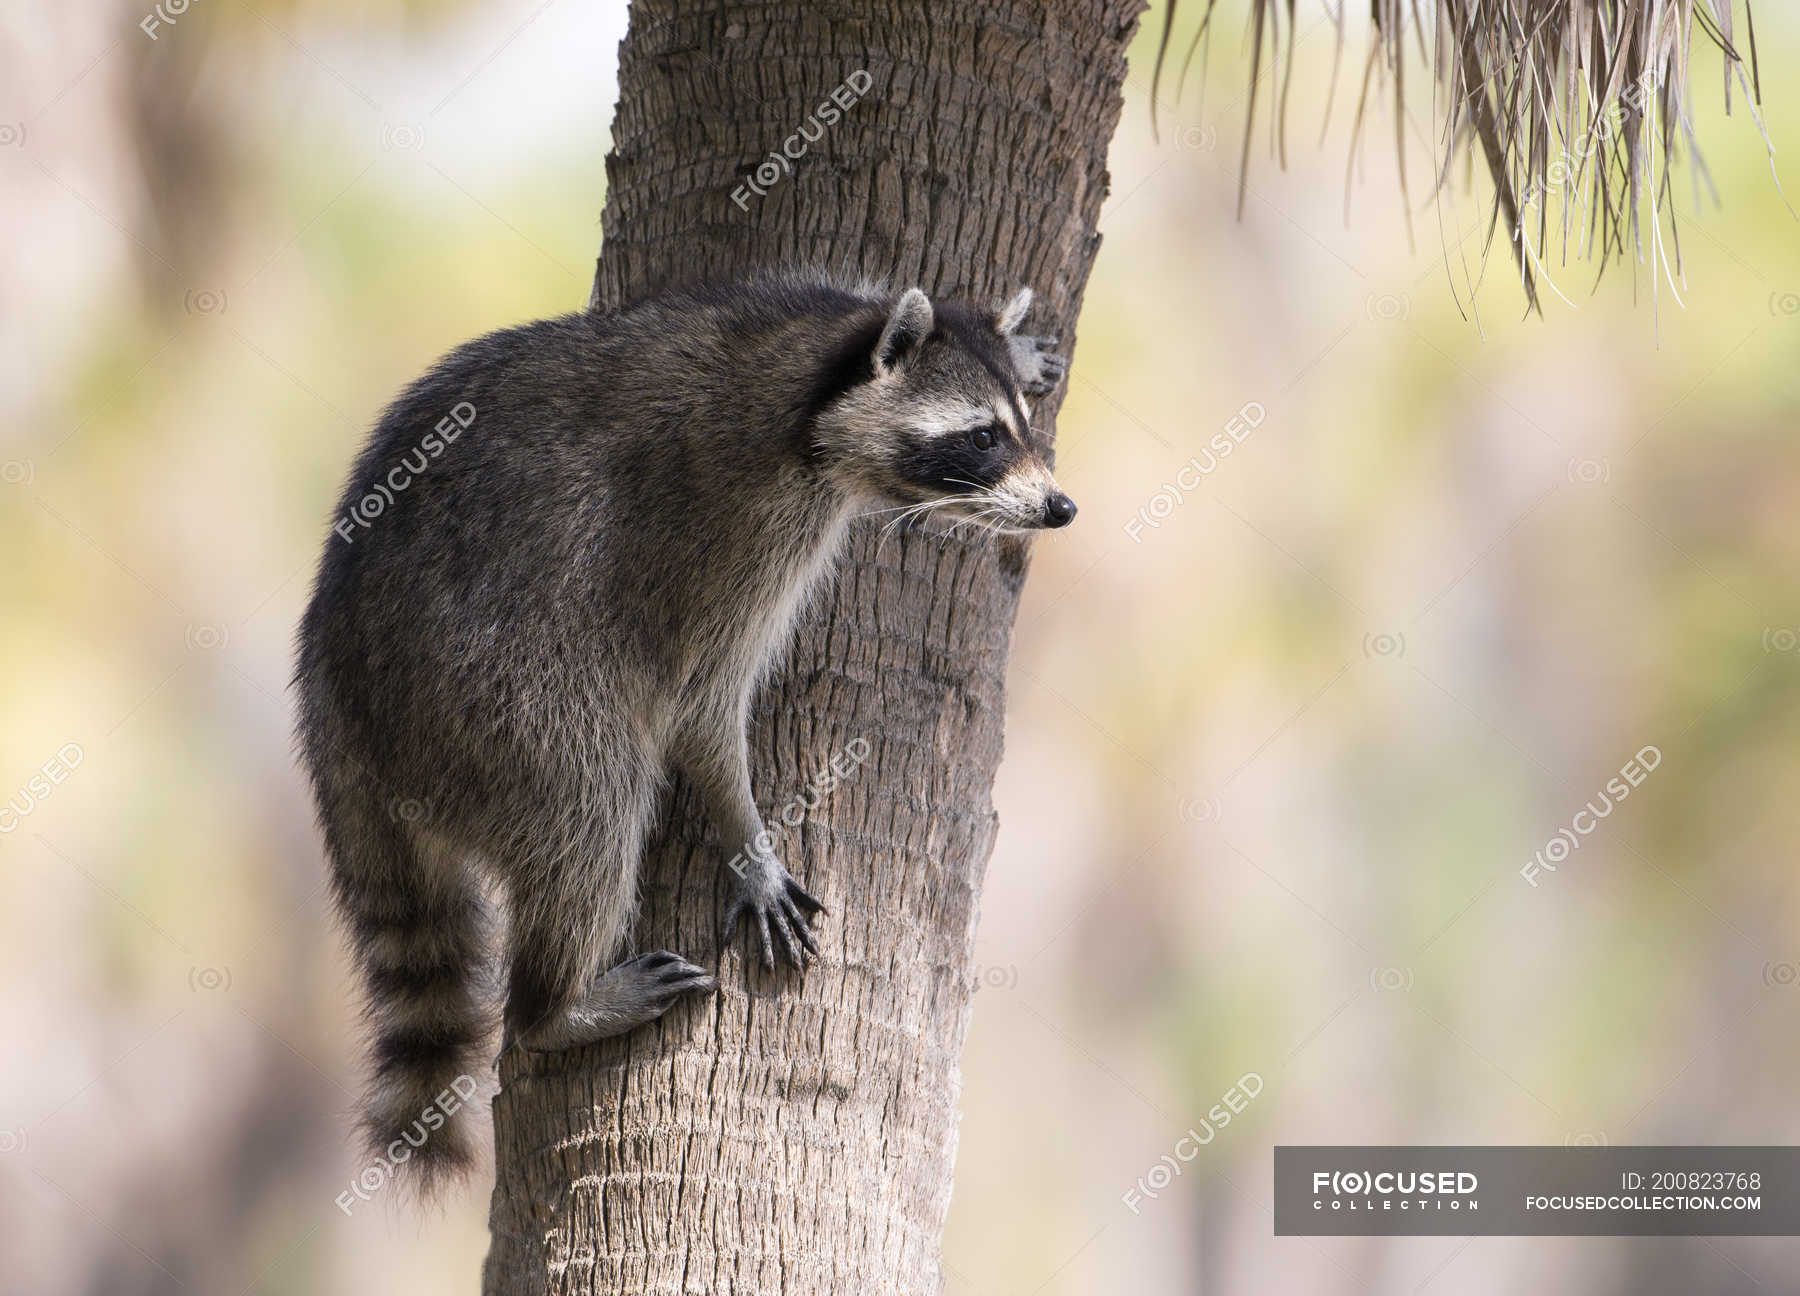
772, 902
663, 968
1040, 368
639, 990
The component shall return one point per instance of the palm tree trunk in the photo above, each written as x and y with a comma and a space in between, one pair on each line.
798, 1135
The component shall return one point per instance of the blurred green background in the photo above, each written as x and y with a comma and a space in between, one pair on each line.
1275, 762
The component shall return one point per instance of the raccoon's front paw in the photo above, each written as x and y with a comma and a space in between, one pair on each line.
771, 901
1040, 368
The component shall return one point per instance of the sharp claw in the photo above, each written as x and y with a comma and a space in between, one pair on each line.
799, 895
783, 930
768, 948
804, 934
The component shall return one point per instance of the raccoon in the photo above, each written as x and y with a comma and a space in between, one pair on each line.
563, 561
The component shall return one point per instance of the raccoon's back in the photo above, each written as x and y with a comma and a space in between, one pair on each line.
466, 557
538, 507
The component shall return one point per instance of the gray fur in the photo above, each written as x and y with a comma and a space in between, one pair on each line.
575, 595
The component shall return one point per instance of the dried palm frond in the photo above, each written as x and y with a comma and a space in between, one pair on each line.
1586, 101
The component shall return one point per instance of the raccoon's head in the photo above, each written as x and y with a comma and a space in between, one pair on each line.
935, 419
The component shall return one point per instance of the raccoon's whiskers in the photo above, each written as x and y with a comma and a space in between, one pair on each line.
992, 528
906, 514
918, 510
980, 518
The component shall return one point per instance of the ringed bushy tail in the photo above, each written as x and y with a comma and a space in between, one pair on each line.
419, 924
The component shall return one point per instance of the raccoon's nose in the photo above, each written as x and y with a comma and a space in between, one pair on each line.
1059, 510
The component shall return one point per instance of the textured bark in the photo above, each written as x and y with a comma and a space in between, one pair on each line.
797, 1134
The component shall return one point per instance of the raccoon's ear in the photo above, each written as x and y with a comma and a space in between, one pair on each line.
907, 328
1012, 314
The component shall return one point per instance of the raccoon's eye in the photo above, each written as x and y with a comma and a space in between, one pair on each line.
982, 438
